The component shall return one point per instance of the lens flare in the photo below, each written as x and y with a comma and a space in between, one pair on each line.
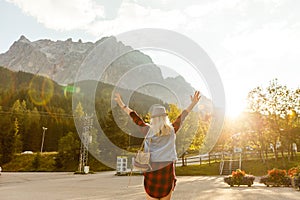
98, 66
70, 90
40, 90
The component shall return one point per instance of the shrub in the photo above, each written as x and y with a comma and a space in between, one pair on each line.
294, 174
276, 177
276, 174
294, 171
239, 177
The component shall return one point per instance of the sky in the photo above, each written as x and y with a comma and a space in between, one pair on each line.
251, 42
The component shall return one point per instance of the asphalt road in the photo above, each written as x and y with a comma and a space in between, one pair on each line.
105, 185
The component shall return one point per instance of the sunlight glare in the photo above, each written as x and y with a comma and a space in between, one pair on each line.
234, 109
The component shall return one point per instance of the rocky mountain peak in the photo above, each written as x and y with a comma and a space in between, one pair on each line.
23, 39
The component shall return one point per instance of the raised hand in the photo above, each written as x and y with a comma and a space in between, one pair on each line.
196, 97
120, 102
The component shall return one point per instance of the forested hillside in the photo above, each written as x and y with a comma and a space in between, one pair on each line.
29, 102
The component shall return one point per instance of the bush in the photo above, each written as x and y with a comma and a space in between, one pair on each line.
239, 177
276, 177
36, 161
276, 174
294, 173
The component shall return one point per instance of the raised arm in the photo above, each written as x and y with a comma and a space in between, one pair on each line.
120, 102
134, 116
194, 100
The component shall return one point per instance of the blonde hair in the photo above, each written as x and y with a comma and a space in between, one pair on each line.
161, 125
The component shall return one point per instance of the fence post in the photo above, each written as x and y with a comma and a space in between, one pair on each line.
200, 160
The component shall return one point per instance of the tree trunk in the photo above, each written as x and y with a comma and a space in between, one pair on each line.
290, 152
262, 147
282, 153
275, 154
266, 152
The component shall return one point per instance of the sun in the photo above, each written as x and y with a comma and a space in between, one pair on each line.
234, 109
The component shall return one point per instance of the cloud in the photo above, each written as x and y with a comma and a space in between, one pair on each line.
264, 54
93, 17
61, 15
251, 41
213, 8
166, 4
133, 16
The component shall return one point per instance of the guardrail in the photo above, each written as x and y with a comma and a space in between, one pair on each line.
193, 160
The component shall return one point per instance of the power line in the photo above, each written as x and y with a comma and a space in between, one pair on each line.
44, 114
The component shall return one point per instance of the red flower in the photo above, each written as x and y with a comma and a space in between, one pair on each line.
294, 171
238, 173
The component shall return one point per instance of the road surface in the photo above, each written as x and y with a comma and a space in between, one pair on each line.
106, 186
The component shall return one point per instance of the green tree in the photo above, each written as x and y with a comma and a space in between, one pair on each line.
79, 112
68, 148
278, 106
270, 108
199, 137
19, 114
113, 131
17, 147
36, 163
34, 131
173, 112
6, 140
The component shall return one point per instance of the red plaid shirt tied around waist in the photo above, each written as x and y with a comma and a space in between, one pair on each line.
158, 183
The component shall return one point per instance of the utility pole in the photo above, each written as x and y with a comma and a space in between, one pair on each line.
43, 138
87, 123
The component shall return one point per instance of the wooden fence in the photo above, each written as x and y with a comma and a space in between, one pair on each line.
196, 160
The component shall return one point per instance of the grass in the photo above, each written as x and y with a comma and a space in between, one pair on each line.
45, 162
199, 170
258, 168
31, 162
254, 167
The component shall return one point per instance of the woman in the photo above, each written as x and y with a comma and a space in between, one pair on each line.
160, 181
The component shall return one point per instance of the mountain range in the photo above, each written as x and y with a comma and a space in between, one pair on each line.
64, 62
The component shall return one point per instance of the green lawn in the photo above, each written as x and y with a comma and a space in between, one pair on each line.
197, 170
46, 162
258, 168
31, 162
254, 167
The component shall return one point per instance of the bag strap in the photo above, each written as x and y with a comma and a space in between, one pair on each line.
143, 144
141, 148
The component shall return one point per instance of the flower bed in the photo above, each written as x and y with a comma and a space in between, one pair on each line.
294, 173
276, 177
296, 182
238, 178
